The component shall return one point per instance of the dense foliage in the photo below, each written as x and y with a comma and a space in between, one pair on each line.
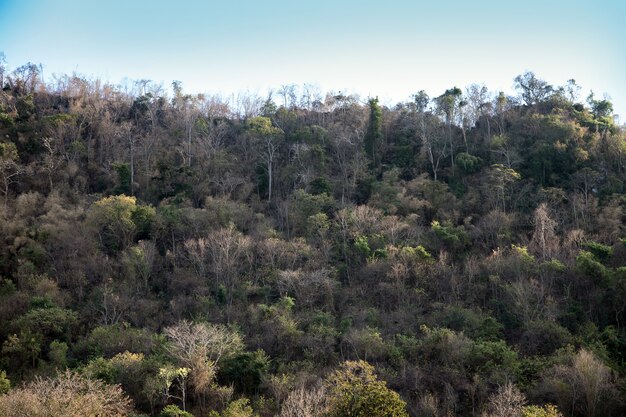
310, 256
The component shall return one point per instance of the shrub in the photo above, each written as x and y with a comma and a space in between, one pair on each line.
69, 394
173, 411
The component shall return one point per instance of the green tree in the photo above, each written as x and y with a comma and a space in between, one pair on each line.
374, 135
123, 178
21, 351
547, 410
58, 354
355, 391
118, 220
602, 111
449, 104
237, 408
532, 89
245, 371
5, 384
49, 323
500, 180
173, 411
170, 374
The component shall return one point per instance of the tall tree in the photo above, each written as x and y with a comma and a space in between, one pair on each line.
479, 108
269, 137
374, 135
449, 104
433, 144
10, 167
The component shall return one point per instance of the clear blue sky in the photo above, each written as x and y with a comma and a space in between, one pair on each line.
387, 48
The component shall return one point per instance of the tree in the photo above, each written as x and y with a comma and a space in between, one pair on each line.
288, 93
245, 371
3, 69
449, 104
586, 181
262, 129
434, 144
118, 220
237, 408
506, 402
139, 261
25, 78
167, 375
532, 89
602, 111
5, 383
348, 158
173, 411
545, 240
186, 107
479, 107
223, 254
22, 351
354, 390
373, 135
305, 403
585, 386
201, 347
501, 178
125, 132
599, 108
48, 323
10, 167
547, 410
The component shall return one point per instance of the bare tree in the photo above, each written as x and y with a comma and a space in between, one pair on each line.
200, 347
432, 137
479, 107
25, 79
269, 155
305, 403
288, 92
248, 105
111, 306
506, 402
448, 104
3, 69
545, 241
585, 386
348, 157
221, 253
9, 172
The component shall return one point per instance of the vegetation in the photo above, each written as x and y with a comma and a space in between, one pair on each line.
183, 255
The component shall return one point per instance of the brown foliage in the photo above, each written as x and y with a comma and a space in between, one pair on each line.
69, 394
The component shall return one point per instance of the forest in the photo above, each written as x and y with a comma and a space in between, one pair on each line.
309, 254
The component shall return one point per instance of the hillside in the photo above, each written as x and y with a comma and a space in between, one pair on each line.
456, 255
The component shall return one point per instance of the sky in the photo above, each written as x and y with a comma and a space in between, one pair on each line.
390, 49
